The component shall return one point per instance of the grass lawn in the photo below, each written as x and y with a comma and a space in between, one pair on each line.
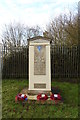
10, 109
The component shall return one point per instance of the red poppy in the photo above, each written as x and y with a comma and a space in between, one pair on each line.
55, 97
42, 97
21, 97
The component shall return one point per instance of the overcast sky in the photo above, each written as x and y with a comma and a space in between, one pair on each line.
33, 12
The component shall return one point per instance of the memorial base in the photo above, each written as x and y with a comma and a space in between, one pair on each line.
36, 92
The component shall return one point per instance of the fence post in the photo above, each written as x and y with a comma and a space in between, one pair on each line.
0, 62
0, 83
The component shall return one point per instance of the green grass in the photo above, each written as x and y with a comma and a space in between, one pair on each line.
10, 109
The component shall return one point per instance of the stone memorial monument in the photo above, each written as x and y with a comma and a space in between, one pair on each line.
39, 65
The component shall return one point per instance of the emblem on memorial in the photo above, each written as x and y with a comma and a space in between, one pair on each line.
39, 48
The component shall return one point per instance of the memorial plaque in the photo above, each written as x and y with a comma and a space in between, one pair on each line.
39, 85
40, 60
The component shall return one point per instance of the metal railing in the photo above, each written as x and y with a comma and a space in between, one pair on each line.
64, 62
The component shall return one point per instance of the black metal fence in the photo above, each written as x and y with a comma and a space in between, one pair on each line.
64, 62
15, 62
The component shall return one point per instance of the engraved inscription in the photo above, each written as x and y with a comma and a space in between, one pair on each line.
40, 60
39, 85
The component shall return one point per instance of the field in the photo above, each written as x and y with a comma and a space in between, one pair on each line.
10, 109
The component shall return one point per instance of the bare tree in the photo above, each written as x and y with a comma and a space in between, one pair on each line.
16, 35
63, 30
33, 31
13, 35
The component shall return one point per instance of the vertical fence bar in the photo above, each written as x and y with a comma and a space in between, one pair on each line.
26, 59
21, 56
57, 49
13, 64
54, 56
77, 62
58, 61
22, 60
26, 67
18, 62
60, 70
69, 62
2, 61
10, 62
21, 63
72, 61
25, 62
5, 61
64, 61
52, 61
61, 61
65, 64
0, 82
